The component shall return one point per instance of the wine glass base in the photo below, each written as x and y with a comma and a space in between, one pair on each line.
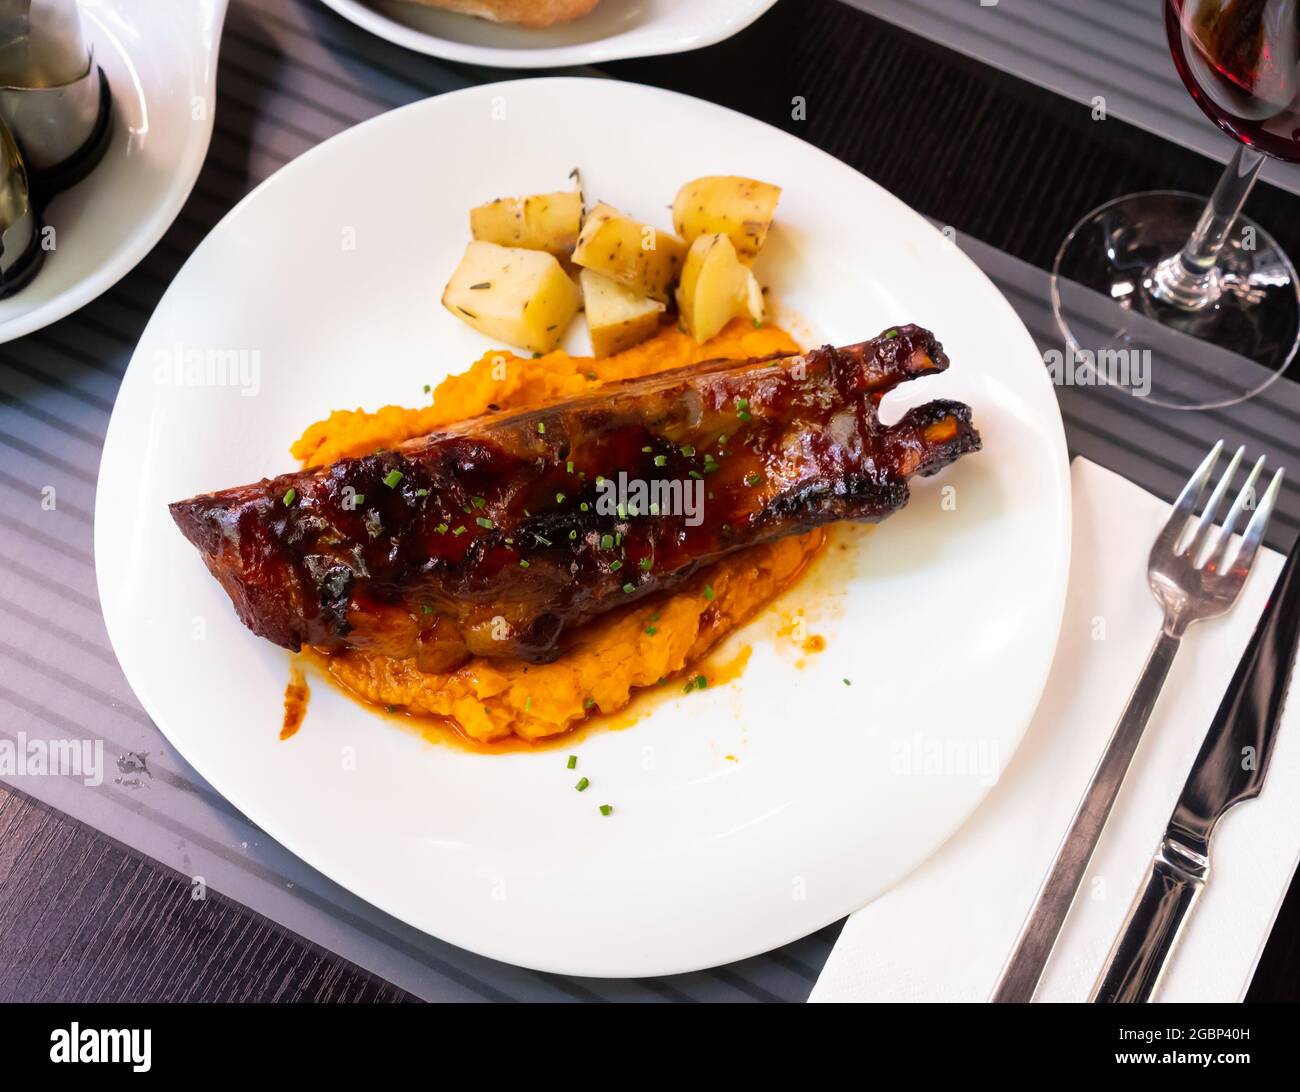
1125, 327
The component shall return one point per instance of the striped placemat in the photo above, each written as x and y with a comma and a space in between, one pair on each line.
291, 75
1112, 50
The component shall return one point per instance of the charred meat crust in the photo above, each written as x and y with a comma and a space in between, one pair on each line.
496, 536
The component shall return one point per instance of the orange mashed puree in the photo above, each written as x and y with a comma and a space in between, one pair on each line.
605, 662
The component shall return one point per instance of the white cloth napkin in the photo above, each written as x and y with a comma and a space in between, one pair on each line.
945, 931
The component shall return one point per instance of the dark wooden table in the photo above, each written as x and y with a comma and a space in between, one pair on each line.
84, 918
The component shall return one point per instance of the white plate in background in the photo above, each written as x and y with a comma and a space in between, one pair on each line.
945, 618
613, 30
161, 63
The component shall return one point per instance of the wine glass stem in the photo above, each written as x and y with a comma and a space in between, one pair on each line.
1189, 279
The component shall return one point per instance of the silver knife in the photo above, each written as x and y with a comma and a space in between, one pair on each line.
1230, 768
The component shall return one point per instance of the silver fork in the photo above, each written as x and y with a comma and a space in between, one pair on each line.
1192, 580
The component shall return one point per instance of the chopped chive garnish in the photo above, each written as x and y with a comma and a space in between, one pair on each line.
572, 764
744, 416
614, 566
421, 492
559, 498
661, 460
647, 449
289, 495
485, 523
569, 466
573, 536
708, 591
892, 333
589, 703
646, 563
629, 588
722, 440
541, 427
392, 478
742, 403
427, 388
591, 375
425, 608
621, 510
523, 564
584, 507
582, 784
695, 474
690, 685
847, 683
606, 809
753, 479
528, 703
650, 631
441, 528
655, 617
654, 508
688, 450
477, 502
701, 682
459, 531
358, 500
606, 542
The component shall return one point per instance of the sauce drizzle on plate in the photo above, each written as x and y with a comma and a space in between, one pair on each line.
296, 695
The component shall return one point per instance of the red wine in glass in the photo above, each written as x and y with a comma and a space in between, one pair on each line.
1240, 59
1191, 297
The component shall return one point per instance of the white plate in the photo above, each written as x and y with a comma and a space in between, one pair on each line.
331, 273
615, 29
161, 63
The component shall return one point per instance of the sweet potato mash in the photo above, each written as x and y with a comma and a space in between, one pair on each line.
603, 663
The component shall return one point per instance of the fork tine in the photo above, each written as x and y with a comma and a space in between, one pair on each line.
1221, 544
1186, 504
1197, 542
1258, 523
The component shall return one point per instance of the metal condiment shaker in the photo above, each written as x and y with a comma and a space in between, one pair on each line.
20, 244
54, 97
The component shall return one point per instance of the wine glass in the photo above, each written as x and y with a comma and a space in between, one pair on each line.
1140, 272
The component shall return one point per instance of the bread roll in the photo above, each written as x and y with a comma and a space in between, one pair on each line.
527, 13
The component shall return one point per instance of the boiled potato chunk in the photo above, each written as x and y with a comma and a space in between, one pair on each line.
545, 221
740, 208
716, 287
520, 297
635, 255
616, 316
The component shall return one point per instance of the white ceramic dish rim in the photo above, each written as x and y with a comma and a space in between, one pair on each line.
613, 48
147, 233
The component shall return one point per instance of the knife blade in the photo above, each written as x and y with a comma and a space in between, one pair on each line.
1231, 767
